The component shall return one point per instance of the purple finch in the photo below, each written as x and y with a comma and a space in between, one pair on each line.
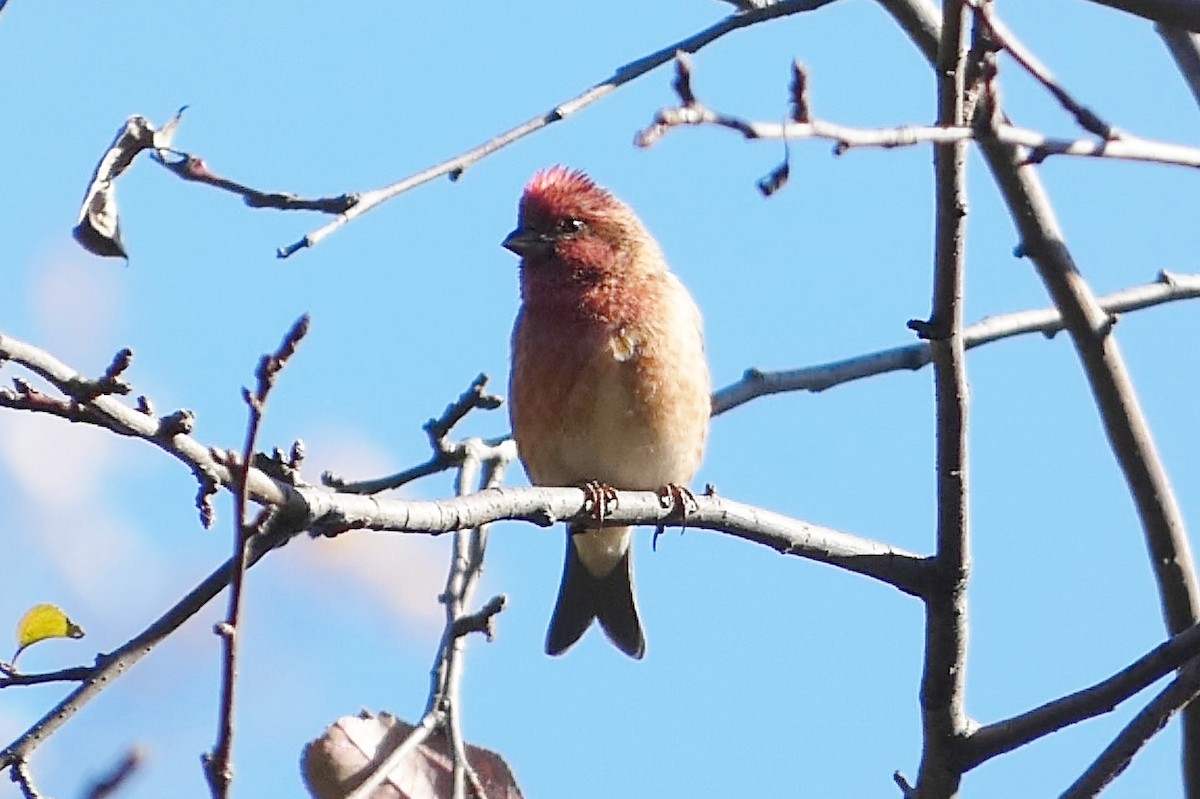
609, 383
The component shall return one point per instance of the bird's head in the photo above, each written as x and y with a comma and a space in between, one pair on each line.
567, 222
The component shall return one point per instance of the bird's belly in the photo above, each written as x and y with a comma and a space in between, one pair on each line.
612, 433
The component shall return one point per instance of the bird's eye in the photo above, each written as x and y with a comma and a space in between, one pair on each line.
566, 227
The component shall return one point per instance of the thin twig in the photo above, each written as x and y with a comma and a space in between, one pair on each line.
466, 562
111, 782
165, 432
846, 137
218, 767
111, 666
466, 565
196, 170
446, 454
76, 674
420, 733
24, 780
1005, 38
454, 167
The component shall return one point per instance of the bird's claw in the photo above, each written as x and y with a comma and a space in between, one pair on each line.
678, 499
600, 499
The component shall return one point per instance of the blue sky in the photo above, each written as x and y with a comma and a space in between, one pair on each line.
764, 675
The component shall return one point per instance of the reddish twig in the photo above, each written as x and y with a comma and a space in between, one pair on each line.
217, 764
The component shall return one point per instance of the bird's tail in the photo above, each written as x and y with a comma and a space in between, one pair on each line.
607, 597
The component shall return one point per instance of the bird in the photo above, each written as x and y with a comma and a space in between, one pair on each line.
609, 385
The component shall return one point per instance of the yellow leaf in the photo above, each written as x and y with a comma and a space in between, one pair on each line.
44, 621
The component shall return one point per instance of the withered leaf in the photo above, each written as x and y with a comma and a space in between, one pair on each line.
341, 759
99, 227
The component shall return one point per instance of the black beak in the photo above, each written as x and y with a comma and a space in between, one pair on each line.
523, 242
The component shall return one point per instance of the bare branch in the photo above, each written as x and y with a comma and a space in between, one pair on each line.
111, 666
76, 674
546, 506
943, 678
846, 138
446, 454
443, 707
1103, 697
196, 170
1091, 331
1002, 36
110, 783
1145, 725
635, 69
24, 780
1184, 47
328, 513
756, 383
1183, 14
170, 433
218, 767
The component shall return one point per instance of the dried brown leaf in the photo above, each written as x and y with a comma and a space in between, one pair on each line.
337, 762
99, 227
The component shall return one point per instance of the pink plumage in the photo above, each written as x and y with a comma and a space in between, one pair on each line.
609, 381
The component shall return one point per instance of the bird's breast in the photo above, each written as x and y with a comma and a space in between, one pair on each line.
623, 399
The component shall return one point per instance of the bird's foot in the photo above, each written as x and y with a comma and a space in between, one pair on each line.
601, 499
680, 501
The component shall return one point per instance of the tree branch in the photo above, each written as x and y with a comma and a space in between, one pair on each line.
218, 765
335, 514
999, 34
1103, 697
1183, 14
447, 454
1184, 47
1126, 147
756, 383
635, 69
1149, 721
109, 667
943, 679
196, 170
1091, 331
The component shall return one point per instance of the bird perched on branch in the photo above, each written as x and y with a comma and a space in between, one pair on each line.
609, 384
